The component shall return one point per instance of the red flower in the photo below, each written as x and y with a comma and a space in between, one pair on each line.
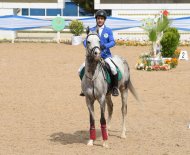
165, 13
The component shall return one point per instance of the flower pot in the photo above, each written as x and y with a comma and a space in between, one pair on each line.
76, 40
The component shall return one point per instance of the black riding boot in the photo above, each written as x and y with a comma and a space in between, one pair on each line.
81, 76
81, 93
115, 91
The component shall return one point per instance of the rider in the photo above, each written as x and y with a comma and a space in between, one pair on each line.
106, 42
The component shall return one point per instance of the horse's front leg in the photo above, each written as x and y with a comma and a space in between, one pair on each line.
103, 122
90, 105
110, 110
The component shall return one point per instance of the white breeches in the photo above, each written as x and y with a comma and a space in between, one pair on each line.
112, 66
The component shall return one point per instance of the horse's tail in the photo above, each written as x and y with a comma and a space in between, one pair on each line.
133, 91
129, 83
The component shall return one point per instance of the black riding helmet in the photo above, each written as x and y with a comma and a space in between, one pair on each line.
101, 13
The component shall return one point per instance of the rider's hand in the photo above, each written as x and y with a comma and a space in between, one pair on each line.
102, 47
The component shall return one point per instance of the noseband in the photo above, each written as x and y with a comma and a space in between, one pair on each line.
91, 51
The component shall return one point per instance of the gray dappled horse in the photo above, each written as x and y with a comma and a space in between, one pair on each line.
95, 86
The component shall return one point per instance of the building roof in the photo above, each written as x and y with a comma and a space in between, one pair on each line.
32, 3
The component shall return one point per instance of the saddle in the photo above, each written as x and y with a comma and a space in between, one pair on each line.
108, 74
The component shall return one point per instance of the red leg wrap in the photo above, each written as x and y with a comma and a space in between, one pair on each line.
104, 132
92, 133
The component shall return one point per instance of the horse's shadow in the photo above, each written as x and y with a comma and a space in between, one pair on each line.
76, 137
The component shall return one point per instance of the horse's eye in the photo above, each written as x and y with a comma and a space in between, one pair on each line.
88, 42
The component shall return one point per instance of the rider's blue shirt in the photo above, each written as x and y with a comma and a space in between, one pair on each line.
106, 39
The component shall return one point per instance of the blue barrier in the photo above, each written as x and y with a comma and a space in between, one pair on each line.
14, 23
182, 23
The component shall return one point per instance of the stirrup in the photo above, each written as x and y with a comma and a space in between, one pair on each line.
115, 91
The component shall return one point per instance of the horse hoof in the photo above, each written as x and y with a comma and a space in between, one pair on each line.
105, 144
123, 135
90, 142
109, 126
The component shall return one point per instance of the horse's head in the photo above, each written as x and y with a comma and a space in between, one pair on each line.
93, 44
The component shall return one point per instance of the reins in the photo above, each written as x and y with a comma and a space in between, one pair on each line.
94, 77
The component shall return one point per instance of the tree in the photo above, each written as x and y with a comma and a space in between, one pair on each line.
87, 5
155, 28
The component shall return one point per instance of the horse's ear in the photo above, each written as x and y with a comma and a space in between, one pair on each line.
87, 30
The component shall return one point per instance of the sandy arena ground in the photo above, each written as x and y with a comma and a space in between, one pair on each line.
41, 112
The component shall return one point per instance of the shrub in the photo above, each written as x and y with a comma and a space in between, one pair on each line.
169, 44
173, 30
76, 27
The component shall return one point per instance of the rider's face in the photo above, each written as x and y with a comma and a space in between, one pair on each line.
100, 21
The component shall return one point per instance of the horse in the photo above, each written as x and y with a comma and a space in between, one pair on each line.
95, 86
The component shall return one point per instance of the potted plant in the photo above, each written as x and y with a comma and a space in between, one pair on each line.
76, 28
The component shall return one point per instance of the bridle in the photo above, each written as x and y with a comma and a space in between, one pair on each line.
91, 51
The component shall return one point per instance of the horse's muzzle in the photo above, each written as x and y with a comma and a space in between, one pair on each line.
97, 54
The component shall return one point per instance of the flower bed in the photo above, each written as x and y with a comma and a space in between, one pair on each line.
123, 42
148, 63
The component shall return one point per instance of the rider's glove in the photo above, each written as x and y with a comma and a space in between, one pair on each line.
102, 47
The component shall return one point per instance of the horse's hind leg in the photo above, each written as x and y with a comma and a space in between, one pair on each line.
110, 109
124, 94
90, 105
